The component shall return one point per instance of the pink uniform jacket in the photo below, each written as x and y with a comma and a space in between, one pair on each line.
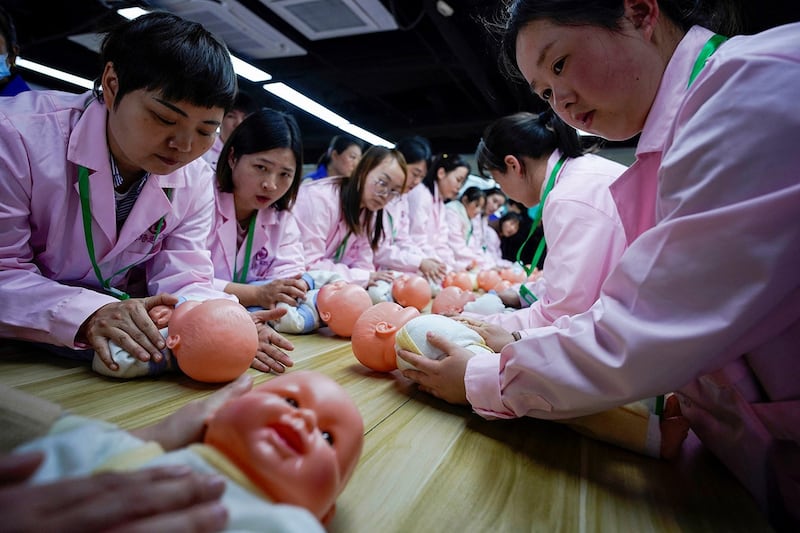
707, 296
397, 251
428, 228
325, 235
277, 251
47, 284
585, 239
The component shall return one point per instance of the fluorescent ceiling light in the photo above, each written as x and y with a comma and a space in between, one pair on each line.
371, 138
55, 73
131, 13
248, 71
281, 90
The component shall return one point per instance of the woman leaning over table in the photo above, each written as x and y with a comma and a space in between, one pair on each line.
706, 299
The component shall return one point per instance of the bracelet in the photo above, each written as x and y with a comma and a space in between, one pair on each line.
516, 335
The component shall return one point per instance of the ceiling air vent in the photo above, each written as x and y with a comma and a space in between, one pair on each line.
323, 19
242, 30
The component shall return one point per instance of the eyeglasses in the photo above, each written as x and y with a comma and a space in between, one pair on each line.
382, 188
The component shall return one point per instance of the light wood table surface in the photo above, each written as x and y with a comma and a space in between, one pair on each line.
428, 466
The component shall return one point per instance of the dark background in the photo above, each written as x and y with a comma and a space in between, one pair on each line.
435, 76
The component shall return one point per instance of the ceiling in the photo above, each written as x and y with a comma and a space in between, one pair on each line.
435, 75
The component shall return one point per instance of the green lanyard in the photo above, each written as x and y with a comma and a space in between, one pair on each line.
86, 211
710, 47
241, 276
524, 292
392, 229
337, 257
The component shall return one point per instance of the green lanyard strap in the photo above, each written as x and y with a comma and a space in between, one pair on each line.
337, 257
241, 276
524, 292
86, 212
708, 50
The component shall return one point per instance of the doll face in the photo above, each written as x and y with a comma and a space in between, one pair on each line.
297, 436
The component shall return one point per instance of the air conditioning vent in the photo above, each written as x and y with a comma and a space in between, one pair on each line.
324, 19
242, 30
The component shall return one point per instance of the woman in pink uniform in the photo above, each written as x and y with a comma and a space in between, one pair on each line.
341, 218
706, 298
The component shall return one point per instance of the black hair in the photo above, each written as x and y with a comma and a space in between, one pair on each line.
448, 162
263, 130
720, 16
493, 191
472, 193
245, 103
9, 32
525, 134
415, 149
339, 143
352, 188
162, 52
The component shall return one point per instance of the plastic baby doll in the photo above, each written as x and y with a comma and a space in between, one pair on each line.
451, 301
340, 304
374, 334
286, 448
634, 426
212, 341
304, 318
411, 290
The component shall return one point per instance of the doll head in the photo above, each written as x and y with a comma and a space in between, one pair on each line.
513, 274
214, 340
411, 290
459, 279
373, 335
451, 301
340, 303
297, 437
488, 279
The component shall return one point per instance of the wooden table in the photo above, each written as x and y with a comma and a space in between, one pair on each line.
428, 466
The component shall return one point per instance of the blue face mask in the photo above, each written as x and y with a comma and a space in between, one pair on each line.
5, 71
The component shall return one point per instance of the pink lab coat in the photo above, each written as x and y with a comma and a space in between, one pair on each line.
397, 250
707, 296
318, 211
277, 251
585, 240
461, 238
47, 284
428, 228
489, 241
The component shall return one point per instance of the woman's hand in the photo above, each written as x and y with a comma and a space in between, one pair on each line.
380, 275
443, 378
432, 269
129, 325
270, 357
495, 336
187, 425
286, 291
168, 499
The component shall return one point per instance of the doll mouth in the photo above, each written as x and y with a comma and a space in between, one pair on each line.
290, 437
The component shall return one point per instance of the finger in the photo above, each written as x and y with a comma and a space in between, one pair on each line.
234, 389
135, 500
19, 467
264, 316
278, 340
441, 342
199, 519
412, 358
146, 333
264, 363
275, 354
161, 298
100, 346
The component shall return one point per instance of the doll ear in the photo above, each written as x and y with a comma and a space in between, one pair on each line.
325, 316
173, 341
383, 329
327, 517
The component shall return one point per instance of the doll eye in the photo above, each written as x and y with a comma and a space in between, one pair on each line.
328, 437
292, 402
